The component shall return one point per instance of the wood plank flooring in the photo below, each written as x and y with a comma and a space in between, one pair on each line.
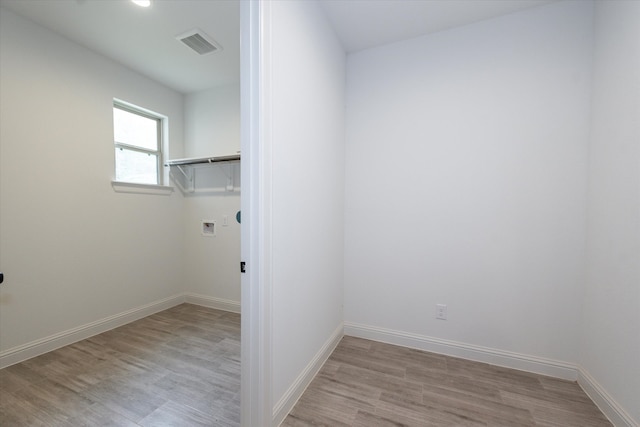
371, 384
179, 367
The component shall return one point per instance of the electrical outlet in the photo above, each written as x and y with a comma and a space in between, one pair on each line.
441, 311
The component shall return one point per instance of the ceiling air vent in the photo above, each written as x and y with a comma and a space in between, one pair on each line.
200, 42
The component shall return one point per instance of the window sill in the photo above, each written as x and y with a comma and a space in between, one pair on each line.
130, 187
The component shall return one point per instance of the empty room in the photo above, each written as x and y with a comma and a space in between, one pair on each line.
122, 210
440, 214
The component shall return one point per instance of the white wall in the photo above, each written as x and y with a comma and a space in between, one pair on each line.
306, 111
212, 128
212, 122
466, 168
74, 251
610, 350
212, 264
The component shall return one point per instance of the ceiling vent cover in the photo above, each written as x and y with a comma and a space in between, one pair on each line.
199, 41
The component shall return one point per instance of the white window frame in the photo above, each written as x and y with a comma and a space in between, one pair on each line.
130, 108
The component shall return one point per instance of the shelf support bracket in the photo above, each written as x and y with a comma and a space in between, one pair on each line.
187, 176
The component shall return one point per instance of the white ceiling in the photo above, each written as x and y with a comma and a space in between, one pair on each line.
361, 24
144, 39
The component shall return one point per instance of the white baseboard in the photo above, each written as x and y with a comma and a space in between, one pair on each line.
288, 401
211, 302
492, 356
607, 404
36, 348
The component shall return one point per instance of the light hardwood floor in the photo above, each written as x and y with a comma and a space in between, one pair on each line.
179, 367
367, 383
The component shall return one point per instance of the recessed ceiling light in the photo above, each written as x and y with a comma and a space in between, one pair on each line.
143, 3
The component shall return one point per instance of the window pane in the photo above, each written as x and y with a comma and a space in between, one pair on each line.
133, 166
134, 129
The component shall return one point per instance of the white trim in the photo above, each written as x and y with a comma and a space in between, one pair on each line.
256, 405
43, 345
607, 404
297, 388
523, 362
211, 302
138, 109
131, 187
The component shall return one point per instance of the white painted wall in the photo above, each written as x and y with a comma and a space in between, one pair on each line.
212, 128
212, 264
610, 350
74, 251
306, 118
466, 177
466, 168
212, 122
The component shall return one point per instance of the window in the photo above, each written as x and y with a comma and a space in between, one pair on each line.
138, 142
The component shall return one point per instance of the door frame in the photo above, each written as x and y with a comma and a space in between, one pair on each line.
256, 399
